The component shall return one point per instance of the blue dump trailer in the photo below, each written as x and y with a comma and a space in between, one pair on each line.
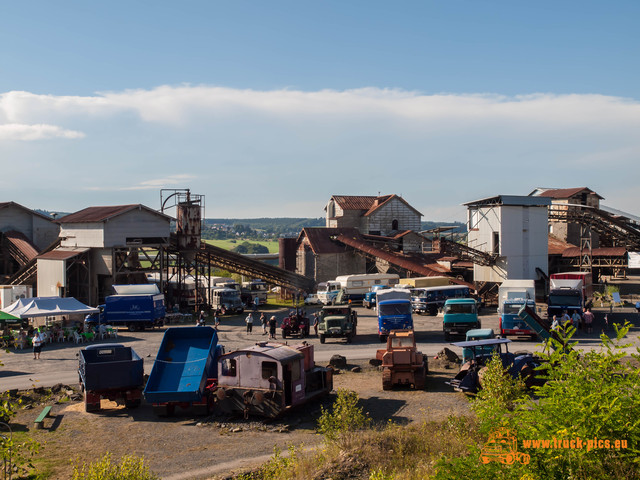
110, 371
185, 371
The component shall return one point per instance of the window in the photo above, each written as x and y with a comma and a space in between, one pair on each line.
269, 369
474, 218
394, 225
229, 367
358, 283
496, 243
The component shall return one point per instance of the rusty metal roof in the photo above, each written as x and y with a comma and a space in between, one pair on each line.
355, 202
22, 243
62, 253
597, 252
102, 214
401, 261
557, 246
562, 193
319, 238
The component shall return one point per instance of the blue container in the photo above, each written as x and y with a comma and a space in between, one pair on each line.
110, 366
187, 357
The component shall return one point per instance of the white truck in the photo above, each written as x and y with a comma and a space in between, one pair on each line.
512, 295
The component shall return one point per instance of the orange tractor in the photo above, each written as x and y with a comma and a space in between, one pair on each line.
402, 363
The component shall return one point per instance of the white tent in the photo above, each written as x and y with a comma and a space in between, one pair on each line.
47, 307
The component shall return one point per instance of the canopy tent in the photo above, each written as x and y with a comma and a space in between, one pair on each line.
47, 307
8, 318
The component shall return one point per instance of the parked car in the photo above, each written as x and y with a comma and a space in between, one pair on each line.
312, 299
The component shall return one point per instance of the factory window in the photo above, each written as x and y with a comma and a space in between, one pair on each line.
474, 218
229, 367
496, 243
269, 369
394, 225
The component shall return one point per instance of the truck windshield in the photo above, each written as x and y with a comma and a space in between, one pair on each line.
512, 309
460, 308
567, 299
229, 295
394, 309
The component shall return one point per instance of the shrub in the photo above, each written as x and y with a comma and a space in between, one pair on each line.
129, 468
345, 417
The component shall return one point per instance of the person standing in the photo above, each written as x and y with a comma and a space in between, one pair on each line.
249, 321
555, 324
576, 319
565, 319
201, 319
588, 320
263, 322
37, 341
316, 320
272, 328
256, 303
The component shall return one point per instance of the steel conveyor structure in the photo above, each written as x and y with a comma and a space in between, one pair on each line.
211, 256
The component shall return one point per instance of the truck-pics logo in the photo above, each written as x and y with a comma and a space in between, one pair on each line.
502, 447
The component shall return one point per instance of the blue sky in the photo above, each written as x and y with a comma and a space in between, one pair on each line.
269, 108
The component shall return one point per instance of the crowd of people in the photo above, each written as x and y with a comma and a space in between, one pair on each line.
582, 322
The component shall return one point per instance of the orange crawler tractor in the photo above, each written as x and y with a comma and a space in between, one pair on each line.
402, 364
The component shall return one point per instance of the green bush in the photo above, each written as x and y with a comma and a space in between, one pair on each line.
129, 468
345, 417
587, 396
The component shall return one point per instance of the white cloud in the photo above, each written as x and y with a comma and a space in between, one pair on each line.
176, 181
21, 132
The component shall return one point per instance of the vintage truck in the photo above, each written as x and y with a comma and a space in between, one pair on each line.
296, 324
402, 363
337, 321
269, 378
184, 372
110, 371
134, 306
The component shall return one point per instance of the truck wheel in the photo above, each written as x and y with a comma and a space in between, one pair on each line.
349, 338
284, 334
132, 403
447, 336
132, 327
382, 338
386, 379
322, 338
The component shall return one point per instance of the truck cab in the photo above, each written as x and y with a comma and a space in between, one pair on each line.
369, 300
337, 321
328, 291
510, 323
394, 311
460, 316
227, 300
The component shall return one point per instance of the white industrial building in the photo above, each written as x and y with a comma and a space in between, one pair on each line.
99, 247
515, 229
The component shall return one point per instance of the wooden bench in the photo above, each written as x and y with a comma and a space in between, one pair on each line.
44, 414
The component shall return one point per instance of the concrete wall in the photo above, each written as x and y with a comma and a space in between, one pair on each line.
52, 274
134, 224
522, 241
41, 231
381, 220
89, 235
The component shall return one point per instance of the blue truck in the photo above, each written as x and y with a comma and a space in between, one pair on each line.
134, 306
184, 372
460, 316
110, 371
369, 300
394, 311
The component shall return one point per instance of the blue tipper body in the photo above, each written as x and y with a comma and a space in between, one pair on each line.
187, 357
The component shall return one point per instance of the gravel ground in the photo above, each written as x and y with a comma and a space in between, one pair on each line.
188, 447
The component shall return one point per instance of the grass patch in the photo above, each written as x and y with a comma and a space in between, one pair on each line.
272, 245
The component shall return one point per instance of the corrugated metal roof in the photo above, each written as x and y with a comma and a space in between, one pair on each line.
432, 270
557, 246
561, 193
513, 200
102, 214
319, 238
62, 253
355, 202
597, 252
22, 243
